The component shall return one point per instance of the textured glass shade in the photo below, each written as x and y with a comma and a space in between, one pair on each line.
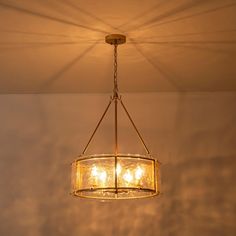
108, 176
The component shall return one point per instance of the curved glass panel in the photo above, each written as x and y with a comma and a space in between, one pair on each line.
115, 177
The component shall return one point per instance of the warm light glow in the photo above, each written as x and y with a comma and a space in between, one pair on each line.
118, 169
103, 176
98, 175
128, 176
94, 171
138, 173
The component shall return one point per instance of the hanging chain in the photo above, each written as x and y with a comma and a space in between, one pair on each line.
115, 97
115, 90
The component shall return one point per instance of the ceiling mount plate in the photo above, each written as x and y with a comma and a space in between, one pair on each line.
115, 39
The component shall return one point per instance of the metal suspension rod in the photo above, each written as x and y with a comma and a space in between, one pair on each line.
116, 147
139, 135
116, 128
95, 130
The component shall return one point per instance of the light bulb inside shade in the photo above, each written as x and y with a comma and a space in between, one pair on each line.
94, 171
103, 176
138, 173
118, 169
98, 174
128, 177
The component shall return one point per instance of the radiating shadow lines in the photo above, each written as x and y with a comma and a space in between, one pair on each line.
19, 46
171, 12
190, 42
189, 34
56, 19
16, 47
157, 65
194, 47
85, 12
39, 34
150, 10
190, 16
205, 49
41, 43
68, 66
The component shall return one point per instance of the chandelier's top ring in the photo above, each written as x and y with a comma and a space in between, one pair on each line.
131, 155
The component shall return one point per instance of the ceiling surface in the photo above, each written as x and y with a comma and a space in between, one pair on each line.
57, 46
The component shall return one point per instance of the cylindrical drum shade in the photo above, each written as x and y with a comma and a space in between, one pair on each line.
109, 176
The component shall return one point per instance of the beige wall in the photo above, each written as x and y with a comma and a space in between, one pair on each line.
193, 134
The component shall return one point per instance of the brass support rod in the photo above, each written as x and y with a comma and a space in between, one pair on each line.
95, 130
116, 145
155, 181
116, 129
139, 135
116, 179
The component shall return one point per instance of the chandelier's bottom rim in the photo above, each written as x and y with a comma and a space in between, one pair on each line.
121, 193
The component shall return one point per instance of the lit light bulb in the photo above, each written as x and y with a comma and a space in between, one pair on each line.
94, 171
118, 169
138, 173
103, 176
127, 176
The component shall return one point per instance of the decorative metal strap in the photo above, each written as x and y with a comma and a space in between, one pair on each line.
95, 130
135, 128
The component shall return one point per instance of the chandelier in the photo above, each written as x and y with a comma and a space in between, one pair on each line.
115, 175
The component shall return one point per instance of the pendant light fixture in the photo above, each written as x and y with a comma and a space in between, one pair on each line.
115, 175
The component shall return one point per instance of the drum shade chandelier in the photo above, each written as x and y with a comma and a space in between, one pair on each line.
115, 175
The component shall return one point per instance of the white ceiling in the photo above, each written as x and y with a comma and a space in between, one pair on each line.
57, 46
